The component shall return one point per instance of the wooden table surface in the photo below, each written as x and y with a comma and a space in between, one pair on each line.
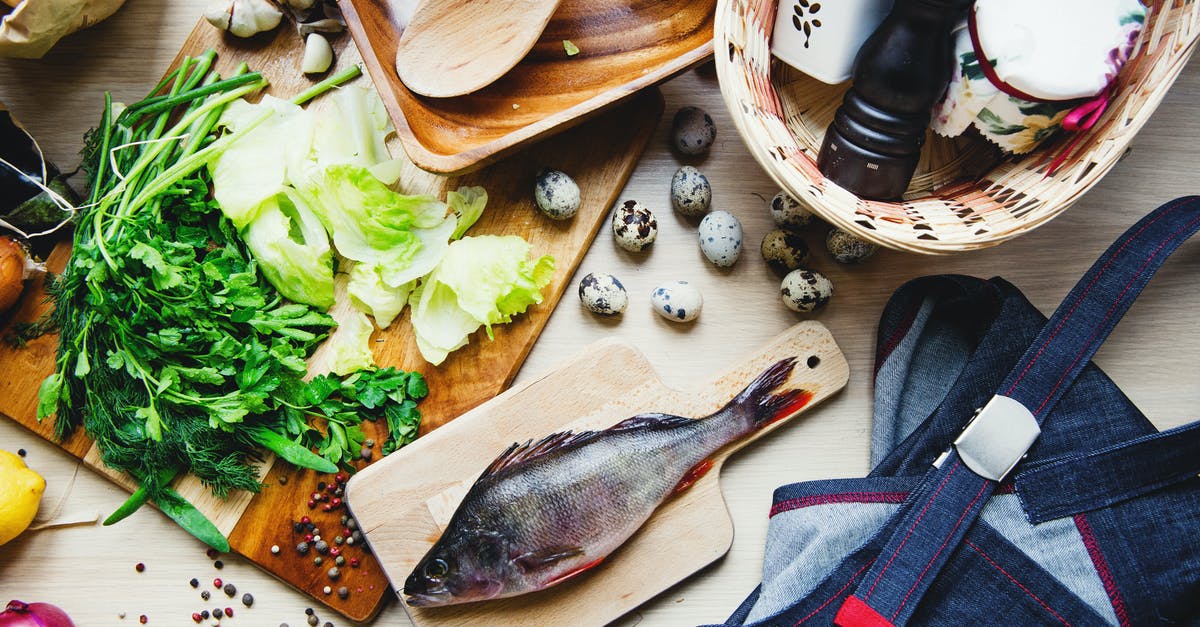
89, 569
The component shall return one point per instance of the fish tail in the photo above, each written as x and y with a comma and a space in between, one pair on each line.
764, 404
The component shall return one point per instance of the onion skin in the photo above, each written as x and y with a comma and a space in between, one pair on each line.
21, 614
12, 275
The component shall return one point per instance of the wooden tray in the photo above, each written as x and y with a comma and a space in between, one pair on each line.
467, 378
405, 500
625, 45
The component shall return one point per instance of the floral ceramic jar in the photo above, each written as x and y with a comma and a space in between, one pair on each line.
1026, 68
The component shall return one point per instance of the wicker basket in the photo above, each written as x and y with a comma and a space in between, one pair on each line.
966, 194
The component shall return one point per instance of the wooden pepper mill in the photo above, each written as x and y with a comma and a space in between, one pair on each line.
874, 143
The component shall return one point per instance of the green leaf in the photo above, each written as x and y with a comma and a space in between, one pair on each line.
292, 452
417, 387
48, 395
187, 516
570, 48
153, 421
321, 387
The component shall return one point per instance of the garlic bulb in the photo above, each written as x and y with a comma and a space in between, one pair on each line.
243, 18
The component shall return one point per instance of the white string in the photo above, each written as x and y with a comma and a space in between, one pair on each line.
112, 152
61, 202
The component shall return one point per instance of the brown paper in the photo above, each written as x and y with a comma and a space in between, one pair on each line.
33, 26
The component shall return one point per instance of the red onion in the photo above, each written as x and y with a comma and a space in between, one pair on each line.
21, 614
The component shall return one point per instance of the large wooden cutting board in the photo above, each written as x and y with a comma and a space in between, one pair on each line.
404, 501
600, 155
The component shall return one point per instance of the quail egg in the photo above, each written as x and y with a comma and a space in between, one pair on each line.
679, 301
603, 294
634, 226
721, 238
556, 194
805, 290
690, 192
692, 131
847, 248
788, 213
784, 251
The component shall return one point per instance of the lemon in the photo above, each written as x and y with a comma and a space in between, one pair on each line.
20, 491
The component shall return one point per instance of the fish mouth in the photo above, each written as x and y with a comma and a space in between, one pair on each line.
427, 599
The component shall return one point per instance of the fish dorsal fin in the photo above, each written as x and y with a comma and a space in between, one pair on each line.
651, 421
521, 453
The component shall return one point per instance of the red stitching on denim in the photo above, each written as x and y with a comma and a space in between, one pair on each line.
1018, 584
844, 497
835, 594
912, 528
892, 342
1101, 565
983, 488
1089, 287
1112, 308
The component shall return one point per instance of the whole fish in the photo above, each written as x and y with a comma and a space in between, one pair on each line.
546, 511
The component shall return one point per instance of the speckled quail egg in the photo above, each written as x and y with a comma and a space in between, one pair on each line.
847, 248
692, 131
556, 194
678, 301
784, 251
634, 227
788, 213
805, 290
603, 294
721, 238
691, 193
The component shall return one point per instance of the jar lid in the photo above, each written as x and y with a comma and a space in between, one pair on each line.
1054, 50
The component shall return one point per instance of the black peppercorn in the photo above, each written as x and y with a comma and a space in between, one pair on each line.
230, 589
247, 599
218, 613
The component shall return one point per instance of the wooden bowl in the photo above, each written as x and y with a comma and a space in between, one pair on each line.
966, 194
625, 46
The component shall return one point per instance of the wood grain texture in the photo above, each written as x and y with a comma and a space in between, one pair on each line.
470, 376
625, 46
606, 383
455, 47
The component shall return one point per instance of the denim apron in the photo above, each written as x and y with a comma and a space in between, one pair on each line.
1057, 503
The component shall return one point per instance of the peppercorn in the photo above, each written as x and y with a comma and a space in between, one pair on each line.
282, 479
140, 567
247, 599
22, 452
229, 612
354, 562
320, 486
357, 536
218, 613
205, 595
196, 617
315, 496
143, 619
321, 546
274, 549
350, 541
212, 554
230, 589
327, 624
334, 551
326, 589
218, 564
352, 524
217, 582
308, 537
341, 559
370, 443
309, 611
336, 502
338, 540
340, 477
204, 614
333, 572
313, 620
317, 561
302, 548
298, 527
195, 583
343, 592
311, 504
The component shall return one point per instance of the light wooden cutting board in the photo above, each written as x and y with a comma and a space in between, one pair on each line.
599, 154
404, 501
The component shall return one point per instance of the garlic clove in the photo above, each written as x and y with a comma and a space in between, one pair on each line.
318, 54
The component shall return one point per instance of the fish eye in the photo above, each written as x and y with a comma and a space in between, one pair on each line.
437, 568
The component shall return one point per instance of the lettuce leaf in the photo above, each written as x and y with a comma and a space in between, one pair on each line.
481, 281
370, 294
292, 249
468, 204
350, 344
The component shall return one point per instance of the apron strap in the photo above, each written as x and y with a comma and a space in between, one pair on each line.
938, 514
1078, 484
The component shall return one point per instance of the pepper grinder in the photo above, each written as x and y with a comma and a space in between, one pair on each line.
873, 145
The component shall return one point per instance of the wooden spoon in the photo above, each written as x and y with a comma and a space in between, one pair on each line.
455, 47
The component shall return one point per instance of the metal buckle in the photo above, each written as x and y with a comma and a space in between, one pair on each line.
997, 438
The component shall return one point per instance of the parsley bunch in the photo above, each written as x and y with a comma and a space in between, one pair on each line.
175, 353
